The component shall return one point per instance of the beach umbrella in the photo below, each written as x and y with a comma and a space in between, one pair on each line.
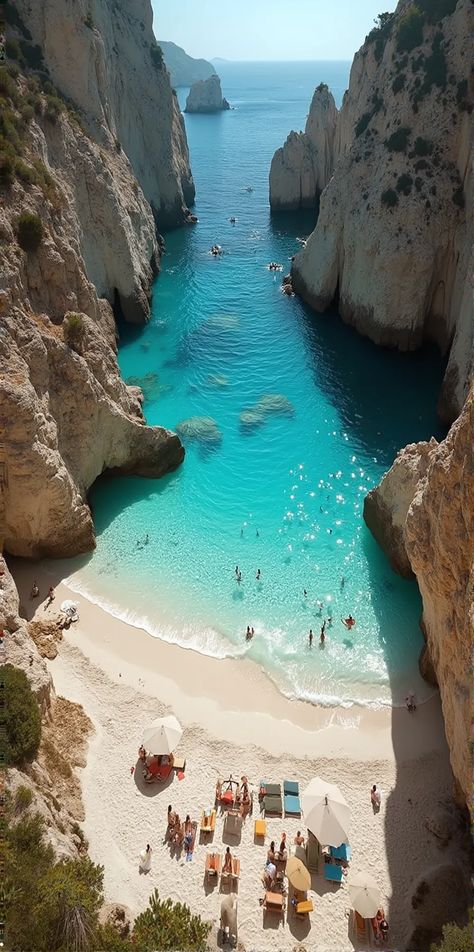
365, 894
297, 874
325, 812
162, 735
68, 606
229, 914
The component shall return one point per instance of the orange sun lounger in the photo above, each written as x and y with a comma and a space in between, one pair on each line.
208, 821
213, 864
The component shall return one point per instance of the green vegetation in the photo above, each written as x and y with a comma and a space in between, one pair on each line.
363, 122
462, 98
23, 799
435, 10
398, 141
74, 330
435, 66
458, 196
323, 87
380, 33
55, 761
410, 30
422, 146
398, 83
404, 183
54, 906
454, 939
22, 718
389, 198
157, 56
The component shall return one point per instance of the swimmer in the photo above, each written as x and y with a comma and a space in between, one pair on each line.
258, 575
320, 606
236, 571
257, 533
349, 622
322, 636
310, 637
248, 634
329, 621
252, 632
239, 577
305, 594
232, 220
343, 582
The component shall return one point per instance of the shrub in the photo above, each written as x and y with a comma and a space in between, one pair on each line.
458, 196
389, 198
410, 30
13, 50
74, 331
398, 140
27, 111
23, 798
398, 83
13, 71
380, 33
8, 85
157, 56
418, 183
55, 761
422, 146
435, 68
435, 10
454, 939
32, 55
362, 123
7, 171
168, 925
404, 183
26, 173
54, 107
118, 147
22, 715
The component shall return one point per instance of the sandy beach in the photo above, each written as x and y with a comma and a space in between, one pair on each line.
235, 722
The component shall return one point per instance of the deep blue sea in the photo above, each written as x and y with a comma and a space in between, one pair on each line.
278, 489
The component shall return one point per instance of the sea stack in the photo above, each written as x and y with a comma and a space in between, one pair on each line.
206, 96
303, 166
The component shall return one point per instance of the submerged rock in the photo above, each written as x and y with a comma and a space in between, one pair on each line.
269, 404
200, 428
217, 380
206, 96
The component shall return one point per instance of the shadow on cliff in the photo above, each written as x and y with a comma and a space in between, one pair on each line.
426, 834
385, 398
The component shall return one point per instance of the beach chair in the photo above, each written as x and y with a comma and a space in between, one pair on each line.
273, 902
213, 865
208, 821
235, 868
342, 852
360, 926
304, 907
260, 828
313, 852
291, 791
272, 801
333, 873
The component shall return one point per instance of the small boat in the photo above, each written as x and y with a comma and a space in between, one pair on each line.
249, 188
232, 220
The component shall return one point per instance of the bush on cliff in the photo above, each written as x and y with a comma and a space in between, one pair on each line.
454, 939
389, 198
29, 231
74, 330
168, 925
435, 10
22, 717
410, 30
398, 141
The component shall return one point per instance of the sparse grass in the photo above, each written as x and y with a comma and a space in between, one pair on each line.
74, 331
23, 799
55, 762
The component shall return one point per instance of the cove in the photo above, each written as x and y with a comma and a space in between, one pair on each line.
294, 417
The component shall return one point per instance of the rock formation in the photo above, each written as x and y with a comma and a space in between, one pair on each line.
423, 515
302, 168
184, 70
65, 414
102, 55
206, 96
393, 243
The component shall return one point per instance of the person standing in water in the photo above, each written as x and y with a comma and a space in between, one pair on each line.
258, 575
322, 636
310, 637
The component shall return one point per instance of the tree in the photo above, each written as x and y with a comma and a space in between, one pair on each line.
29, 230
71, 896
166, 925
22, 717
454, 939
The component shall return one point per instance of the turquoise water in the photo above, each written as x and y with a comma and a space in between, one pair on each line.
283, 490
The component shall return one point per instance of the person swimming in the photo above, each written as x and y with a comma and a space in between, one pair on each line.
258, 575
349, 622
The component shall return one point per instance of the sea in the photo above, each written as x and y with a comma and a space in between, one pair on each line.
290, 418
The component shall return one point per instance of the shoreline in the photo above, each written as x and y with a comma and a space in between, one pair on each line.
228, 697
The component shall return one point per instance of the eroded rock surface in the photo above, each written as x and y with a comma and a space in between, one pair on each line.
206, 96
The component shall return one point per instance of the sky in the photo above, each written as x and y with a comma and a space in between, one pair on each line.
268, 29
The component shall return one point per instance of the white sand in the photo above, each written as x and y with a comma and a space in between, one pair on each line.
235, 721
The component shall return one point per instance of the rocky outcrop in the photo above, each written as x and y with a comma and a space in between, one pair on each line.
102, 55
437, 536
302, 168
184, 70
65, 414
393, 243
206, 96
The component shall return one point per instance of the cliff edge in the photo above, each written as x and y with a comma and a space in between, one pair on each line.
392, 247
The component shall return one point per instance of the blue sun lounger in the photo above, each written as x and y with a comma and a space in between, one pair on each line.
291, 790
343, 852
333, 873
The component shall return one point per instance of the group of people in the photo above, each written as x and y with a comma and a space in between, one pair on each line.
241, 797
35, 593
178, 832
216, 250
273, 266
238, 575
275, 856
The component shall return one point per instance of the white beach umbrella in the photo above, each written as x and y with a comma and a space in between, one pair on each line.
325, 812
365, 894
68, 606
162, 735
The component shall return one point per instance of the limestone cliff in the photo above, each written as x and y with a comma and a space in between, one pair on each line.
302, 168
206, 96
424, 512
103, 56
184, 70
65, 414
393, 243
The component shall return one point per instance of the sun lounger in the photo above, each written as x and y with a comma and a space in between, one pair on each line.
333, 873
208, 821
260, 828
273, 806
291, 791
213, 865
304, 908
342, 852
313, 851
179, 763
273, 902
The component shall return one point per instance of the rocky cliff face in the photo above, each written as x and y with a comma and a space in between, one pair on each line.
103, 56
423, 515
184, 70
206, 96
302, 168
65, 414
393, 242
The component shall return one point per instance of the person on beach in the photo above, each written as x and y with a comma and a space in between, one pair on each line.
252, 632
34, 591
248, 634
282, 850
227, 867
51, 596
258, 575
375, 797
410, 702
349, 622
142, 752
271, 852
145, 858
310, 637
305, 594
322, 636
299, 840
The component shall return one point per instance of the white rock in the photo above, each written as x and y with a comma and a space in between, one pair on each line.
206, 96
